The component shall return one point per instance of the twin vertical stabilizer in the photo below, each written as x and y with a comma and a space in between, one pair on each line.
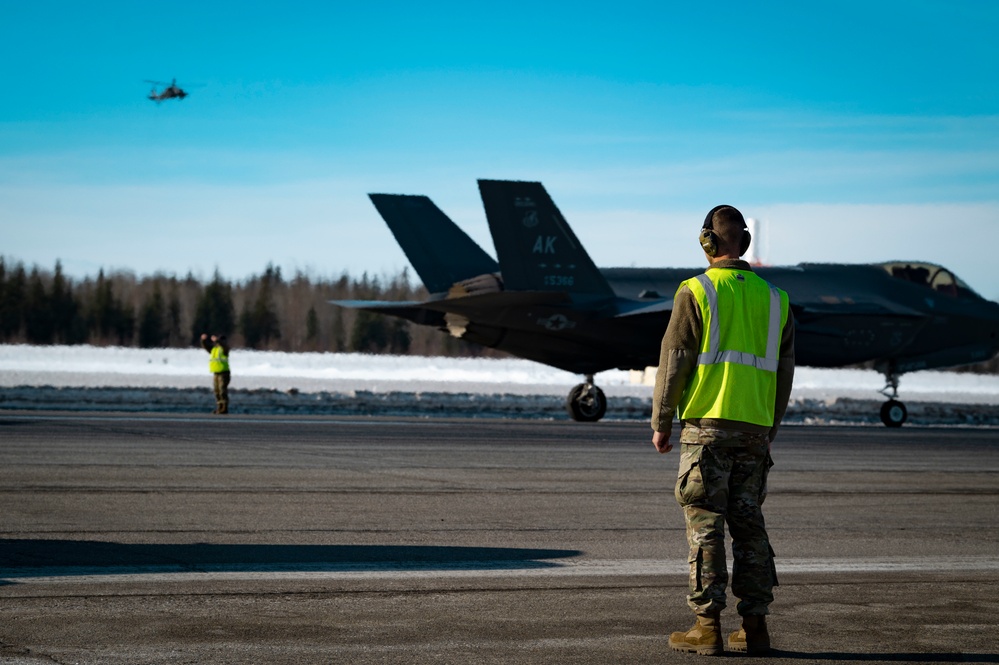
537, 250
440, 252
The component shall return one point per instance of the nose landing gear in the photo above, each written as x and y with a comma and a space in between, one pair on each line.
586, 402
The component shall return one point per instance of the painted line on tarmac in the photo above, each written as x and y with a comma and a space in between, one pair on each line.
308, 419
550, 568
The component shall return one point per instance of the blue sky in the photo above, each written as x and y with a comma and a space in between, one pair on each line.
858, 131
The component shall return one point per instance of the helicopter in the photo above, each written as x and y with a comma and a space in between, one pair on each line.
172, 91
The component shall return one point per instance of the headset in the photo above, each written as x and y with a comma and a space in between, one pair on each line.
709, 239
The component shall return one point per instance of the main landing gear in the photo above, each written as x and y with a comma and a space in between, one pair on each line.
893, 413
586, 403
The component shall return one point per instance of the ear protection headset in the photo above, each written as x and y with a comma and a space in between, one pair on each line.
709, 239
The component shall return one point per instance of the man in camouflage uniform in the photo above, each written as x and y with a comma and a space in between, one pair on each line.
218, 347
726, 367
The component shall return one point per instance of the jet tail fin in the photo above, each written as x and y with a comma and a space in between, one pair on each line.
440, 252
537, 250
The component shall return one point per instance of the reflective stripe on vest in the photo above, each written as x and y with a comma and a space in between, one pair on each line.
219, 361
713, 355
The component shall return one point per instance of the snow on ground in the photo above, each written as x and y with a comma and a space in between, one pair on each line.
116, 367
80, 366
178, 379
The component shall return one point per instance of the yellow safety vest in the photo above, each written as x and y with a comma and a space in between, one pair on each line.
219, 361
743, 317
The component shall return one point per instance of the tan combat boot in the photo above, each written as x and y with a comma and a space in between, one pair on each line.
705, 638
752, 639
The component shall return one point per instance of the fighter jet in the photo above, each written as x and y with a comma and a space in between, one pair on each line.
545, 300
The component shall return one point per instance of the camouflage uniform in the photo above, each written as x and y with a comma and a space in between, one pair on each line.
723, 470
220, 384
220, 380
723, 479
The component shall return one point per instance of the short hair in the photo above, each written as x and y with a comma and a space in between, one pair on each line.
729, 225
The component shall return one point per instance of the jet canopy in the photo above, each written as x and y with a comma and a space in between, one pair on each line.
931, 276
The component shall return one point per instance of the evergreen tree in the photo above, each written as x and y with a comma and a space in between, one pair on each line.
153, 331
173, 315
215, 314
370, 334
260, 324
101, 314
38, 323
69, 326
311, 325
248, 327
399, 338
110, 319
338, 335
13, 298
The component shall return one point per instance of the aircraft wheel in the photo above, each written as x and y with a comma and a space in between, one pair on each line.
586, 403
893, 413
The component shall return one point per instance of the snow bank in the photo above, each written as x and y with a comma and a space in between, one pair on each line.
92, 378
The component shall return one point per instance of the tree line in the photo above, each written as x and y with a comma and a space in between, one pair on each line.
266, 311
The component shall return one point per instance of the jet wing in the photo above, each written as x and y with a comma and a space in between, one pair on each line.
501, 299
384, 306
488, 305
833, 306
633, 308
411, 310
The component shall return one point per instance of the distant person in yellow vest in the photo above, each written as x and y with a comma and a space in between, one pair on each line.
218, 365
725, 368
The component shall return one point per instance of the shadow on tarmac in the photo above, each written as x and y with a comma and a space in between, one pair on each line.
885, 657
46, 558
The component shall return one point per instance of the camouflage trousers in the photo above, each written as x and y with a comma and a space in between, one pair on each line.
221, 386
719, 484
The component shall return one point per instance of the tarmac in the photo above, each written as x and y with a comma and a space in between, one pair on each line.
165, 538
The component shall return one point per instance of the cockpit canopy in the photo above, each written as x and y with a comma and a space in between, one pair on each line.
931, 276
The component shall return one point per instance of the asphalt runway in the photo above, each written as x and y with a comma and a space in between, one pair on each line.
179, 539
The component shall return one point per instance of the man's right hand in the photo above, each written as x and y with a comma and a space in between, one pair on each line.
661, 441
